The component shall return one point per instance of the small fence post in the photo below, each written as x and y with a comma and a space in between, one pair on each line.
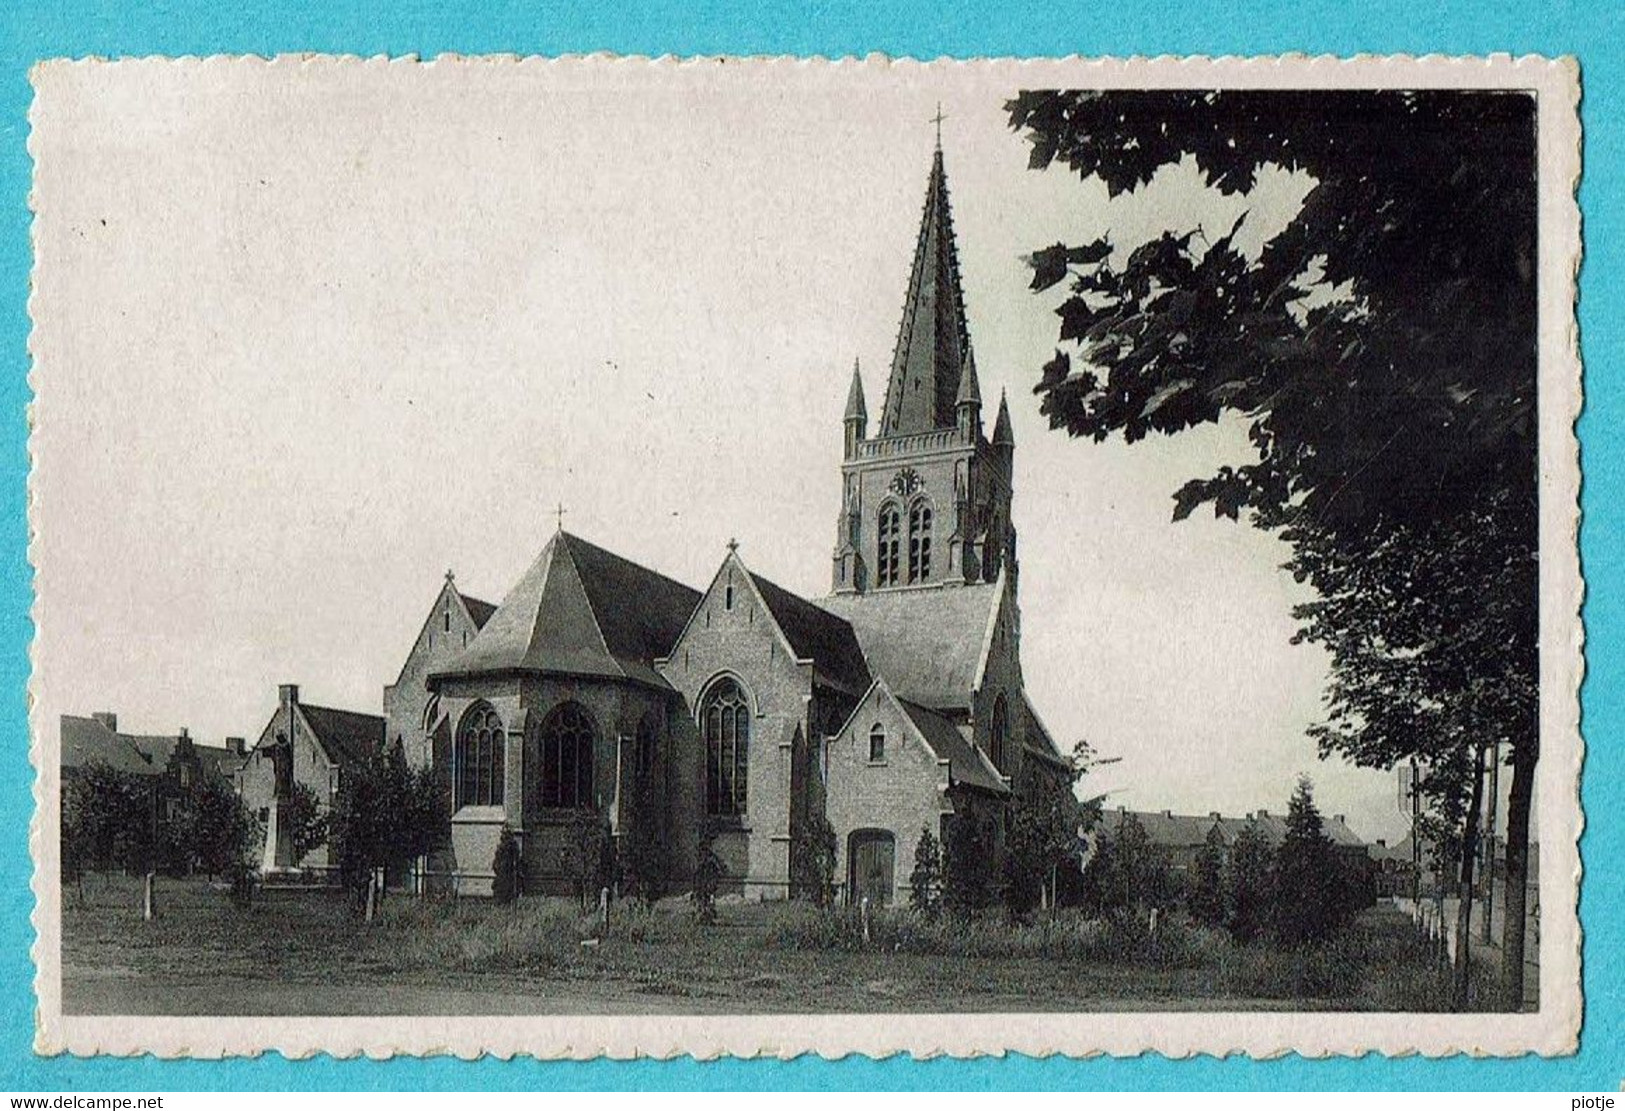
148, 910
863, 913
603, 908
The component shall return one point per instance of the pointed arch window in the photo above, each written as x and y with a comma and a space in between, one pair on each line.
887, 566
646, 750
725, 722
999, 735
567, 743
919, 542
479, 758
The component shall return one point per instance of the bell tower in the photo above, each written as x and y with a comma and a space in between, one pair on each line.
925, 501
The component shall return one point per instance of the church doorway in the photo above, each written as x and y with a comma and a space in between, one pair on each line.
871, 857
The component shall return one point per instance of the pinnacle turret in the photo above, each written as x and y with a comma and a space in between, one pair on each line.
1002, 434
855, 409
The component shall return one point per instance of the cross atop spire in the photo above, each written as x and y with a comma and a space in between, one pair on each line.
937, 119
559, 511
932, 341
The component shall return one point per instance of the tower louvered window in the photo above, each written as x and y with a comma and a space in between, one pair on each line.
568, 739
919, 542
480, 758
887, 565
725, 721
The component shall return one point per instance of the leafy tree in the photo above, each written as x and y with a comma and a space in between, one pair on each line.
1207, 886
592, 861
224, 833
1380, 349
967, 857
109, 819
1042, 837
925, 882
505, 869
306, 823
1249, 884
708, 872
812, 847
381, 815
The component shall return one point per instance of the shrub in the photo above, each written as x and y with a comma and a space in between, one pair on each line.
708, 873
925, 882
645, 863
1248, 884
812, 858
592, 856
966, 862
505, 869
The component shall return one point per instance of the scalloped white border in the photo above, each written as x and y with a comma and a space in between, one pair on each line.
1553, 1030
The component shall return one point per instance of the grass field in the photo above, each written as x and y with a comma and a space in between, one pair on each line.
302, 953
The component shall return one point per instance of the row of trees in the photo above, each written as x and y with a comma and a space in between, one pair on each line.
1299, 891
1381, 351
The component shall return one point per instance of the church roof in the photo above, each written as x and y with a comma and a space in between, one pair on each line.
926, 644
479, 611
932, 340
966, 764
581, 610
816, 634
346, 735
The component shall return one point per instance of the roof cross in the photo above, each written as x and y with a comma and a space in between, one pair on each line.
937, 119
559, 510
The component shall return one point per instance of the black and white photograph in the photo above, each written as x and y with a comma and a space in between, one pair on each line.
618, 556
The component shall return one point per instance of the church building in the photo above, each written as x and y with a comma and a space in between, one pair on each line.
744, 712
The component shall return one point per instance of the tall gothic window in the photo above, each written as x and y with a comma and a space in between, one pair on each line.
479, 758
919, 542
725, 721
887, 565
999, 734
567, 743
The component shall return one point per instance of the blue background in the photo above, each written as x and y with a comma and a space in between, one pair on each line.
1593, 32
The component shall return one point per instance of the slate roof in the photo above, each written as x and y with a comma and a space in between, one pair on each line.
480, 611
926, 644
966, 763
580, 610
345, 734
86, 741
1038, 736
816, 634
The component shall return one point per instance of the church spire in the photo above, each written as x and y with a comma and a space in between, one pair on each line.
1002, 435
932, 341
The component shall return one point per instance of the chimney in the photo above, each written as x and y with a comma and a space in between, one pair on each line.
107, 718
236, 746
287, 694
1382, 842
1214, 814
1262, 813
1339, 819
1167, 813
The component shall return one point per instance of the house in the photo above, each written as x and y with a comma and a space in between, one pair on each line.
306, 744
174, 761
1182, 837
744, 714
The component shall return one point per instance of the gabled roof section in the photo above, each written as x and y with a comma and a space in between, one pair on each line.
966, 763
927, 644
345, 735
816, 634
86, 741
932, 340
478, 612
580, 610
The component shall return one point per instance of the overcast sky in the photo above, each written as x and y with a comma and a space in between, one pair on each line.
309, 335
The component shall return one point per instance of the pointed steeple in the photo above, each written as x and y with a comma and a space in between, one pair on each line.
855, 409
1002, 435
932, 341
